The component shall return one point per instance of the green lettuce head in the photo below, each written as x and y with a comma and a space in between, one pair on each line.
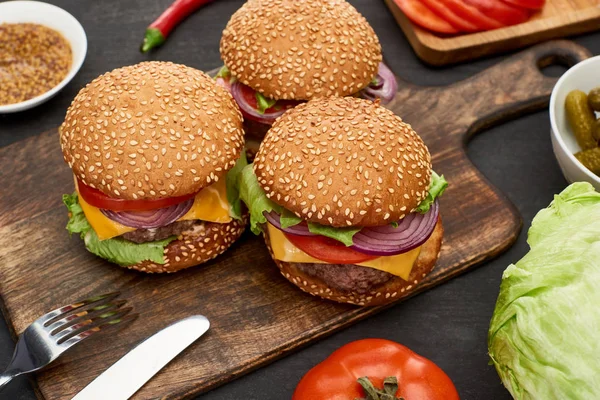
544, 337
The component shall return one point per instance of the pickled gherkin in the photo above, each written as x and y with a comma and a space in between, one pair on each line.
596, 130
591, 159
594, 99
581, 119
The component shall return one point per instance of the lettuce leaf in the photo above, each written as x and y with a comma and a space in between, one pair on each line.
343, 235
255, 199
543, 336
124, 252
436, 189
116, 250
77, 221
263, 103
233, 189
288, 219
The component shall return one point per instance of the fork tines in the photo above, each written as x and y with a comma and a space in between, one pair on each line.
70, 324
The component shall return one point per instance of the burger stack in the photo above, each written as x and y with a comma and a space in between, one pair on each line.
155, 149
341, 189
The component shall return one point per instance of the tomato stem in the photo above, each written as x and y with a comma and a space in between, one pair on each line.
390, 388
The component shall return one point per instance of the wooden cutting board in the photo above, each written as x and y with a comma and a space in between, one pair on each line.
256, 315
558, 19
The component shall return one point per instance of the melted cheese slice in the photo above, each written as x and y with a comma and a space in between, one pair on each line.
400, 265
210, 204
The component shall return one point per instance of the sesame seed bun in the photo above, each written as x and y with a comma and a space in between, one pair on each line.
388, 292
300, 49
342, 162
152, 130
203, 243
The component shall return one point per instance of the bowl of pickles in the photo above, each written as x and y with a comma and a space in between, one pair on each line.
574, 117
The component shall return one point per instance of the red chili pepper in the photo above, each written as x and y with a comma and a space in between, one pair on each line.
157, 32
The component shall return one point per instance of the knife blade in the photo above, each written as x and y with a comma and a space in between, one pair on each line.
125, 377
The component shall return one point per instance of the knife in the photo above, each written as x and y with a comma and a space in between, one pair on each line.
134, 369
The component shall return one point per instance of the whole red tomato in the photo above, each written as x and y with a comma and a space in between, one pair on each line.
337, 378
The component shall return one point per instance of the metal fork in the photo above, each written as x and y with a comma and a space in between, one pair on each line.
52, 334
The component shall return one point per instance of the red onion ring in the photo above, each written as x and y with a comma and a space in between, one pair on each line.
248, 111
385, 88
152, 218
301, 229
385, 240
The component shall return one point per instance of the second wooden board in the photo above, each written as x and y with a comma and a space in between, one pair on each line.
256, 315
558, 19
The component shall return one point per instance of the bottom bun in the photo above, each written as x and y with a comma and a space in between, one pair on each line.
388, 292
201, 243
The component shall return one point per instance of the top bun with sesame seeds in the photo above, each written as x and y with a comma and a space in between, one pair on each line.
344, 161
300, 49
152, 130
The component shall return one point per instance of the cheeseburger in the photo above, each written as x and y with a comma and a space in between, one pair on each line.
156, 150
345, 196
279, 53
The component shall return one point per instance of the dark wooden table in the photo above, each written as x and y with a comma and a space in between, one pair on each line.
447, 324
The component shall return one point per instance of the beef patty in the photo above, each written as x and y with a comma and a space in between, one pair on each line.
174, 229
349, 278
346, 277
256, 129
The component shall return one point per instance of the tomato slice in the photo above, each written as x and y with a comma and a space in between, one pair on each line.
500, 11
98, 199
472, 14
424, 17
328, 250
531, 4
440, 8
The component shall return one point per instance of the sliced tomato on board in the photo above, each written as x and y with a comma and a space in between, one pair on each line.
502, 12
327, 249
98, 199
424, 17
532, 4
472, 14
441, 9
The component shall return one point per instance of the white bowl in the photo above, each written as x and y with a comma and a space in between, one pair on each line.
53, 17
584, 76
